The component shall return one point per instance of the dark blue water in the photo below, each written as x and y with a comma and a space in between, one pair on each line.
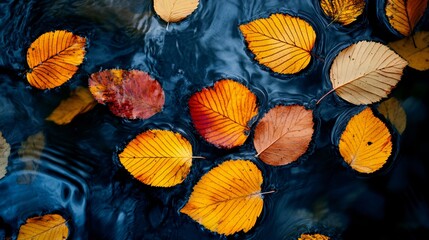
73, 169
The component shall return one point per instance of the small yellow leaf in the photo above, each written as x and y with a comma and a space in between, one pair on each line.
366, 143
50, 226
393, 111
316, 236
404, 15
30, 152
174, 10
228, 198
343, 11
80, 101
4, 155
415, 49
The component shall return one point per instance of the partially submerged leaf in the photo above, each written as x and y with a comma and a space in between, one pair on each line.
283, 134
281, 42
222, 114
393, 111
228, 198
315, 236
174, 10
404, 15
49, 226
414, 49
343, 11
54, 58
80, 101
4, 155
129, 94
30, 152
158, 158
366, 143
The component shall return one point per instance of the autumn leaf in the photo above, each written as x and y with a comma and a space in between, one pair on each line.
49, 226
403, 15
414, 49
283, 134
174, 10
30, 152
4, 155
80, 101
158, 158
394, 113
54, 58
128, 94
343, 11
228, 198
366, 143
315, 236
365, 72
281, 42
222, 114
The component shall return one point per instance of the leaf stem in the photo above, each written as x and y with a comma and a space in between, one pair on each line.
198, 157
326, 94
269, 192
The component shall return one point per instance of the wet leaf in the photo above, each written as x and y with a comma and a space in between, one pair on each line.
343, 11
4, 155
30, 152
365, 72
392, 110
54, 58
222, 114
158, 158
228, 198
404, 15
415, 49
174, 10
129, 94
80, 101
49, 226
315, 236
281, 42
366, 143
283, 134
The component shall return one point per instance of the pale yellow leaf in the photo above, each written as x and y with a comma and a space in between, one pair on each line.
30, 152
4, 155
174, 10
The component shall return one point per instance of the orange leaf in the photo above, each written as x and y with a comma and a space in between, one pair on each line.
313, 237
158, 158
281, 42
393, 111
343, 11
283, 134
174, 10
54, 58
222, 114
366, 143
403, 15
228, 198
50, 226
129, 94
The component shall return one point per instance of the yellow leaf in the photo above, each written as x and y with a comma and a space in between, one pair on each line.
80, 101
158, 158
404, 15
54, 58
50, 226
228, 198
174, 10
414, 49
343, 11
4, 155
393, 111
316, 236
366, 143
281, 42
30, 152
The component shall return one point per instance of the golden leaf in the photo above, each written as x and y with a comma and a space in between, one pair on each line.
393, 111
4, 155
366, 143
281, 42
174, 10
415, 49
47, 227
228, 198
316, 236
343, 11
404, 15
54, 58
158, 158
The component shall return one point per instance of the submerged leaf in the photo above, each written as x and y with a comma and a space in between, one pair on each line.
221, 114
54, 58
281, 42
343, 11
30, 152
49, 226
393, 111
4, 155
283, 134
415, 49
366, 143
228, 198
174, 10
316, 236
404, 15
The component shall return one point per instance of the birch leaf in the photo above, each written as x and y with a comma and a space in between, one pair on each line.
30, 152
315, 236
392, 110
174, 10
414, 49
343, 11
404, 15
4, 155
50, 226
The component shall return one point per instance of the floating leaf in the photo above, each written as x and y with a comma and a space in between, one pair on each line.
54, 58
414, 49
80, 101
343, 11
4, 155
283, 134
222, 114
158, 158
404, 15
30, 152
393, 111
49, 226
315, 236
174, 10
281, 42
228, 198
129, 94
366, 143
365, 72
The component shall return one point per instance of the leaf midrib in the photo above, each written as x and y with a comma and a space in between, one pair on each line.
53, 56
